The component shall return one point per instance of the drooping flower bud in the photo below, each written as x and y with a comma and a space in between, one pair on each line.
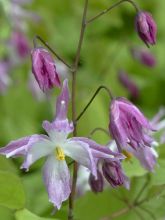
144, 56
129, 84
146, 27
44, 69
96, 184
128, 126
20, 43
114, 174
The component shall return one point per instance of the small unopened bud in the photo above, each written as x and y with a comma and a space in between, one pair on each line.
129, 84
44, 70
144, 56
96, 184
20, 43
146, 27
113, 173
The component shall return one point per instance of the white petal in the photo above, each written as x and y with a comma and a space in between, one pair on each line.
38, 150
80, 152
57, 180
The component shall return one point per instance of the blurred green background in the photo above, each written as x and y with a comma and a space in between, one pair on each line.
105, 51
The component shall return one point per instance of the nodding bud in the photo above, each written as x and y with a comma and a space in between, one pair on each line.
146, 27
129, 84
96, 184
113, 173
143, 56
44, 69
21, 44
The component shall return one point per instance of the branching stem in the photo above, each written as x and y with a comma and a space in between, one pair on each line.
112, 7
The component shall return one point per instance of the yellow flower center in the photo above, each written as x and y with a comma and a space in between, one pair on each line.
127, 154
59, 153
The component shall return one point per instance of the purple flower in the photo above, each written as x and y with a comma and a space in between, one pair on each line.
114, 174
146, 27
97, 185
56, 146
128, 126
147, 156
129, 84
144, 56
20, 43
44, 69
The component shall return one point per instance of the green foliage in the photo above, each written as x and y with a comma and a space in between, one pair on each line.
27, 215
11, 191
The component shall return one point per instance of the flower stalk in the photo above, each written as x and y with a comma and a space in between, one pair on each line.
50, 48
74, 72
91, 100
112, 7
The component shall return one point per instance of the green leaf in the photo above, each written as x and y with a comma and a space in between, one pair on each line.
133, 168
27, 215
7, 165
11, 191
158, 177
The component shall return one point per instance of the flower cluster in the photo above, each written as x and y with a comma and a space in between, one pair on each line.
132, 133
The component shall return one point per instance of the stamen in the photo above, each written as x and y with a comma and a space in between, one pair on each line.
59, 153
127, 154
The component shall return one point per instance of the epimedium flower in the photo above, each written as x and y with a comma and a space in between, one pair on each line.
128, 126
108, 169
20, 43
143, 56
146, 27
56, 146
128, 83
44, 69
147, 156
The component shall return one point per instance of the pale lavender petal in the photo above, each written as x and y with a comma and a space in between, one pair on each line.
100, 151
80, 152
20, 147
58, 130
37, 150
62, 102
57, 180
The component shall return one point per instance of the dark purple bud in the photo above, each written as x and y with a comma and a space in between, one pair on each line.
96, 184
44, 69
129, 84
146, 27
144, 56
21, 44
128, 126
113, 173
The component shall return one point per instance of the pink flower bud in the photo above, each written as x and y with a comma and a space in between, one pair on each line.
146, 27
44, 69
96, 184
21, 44
129, 84
144, 56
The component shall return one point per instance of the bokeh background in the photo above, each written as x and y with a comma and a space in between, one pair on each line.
106, 49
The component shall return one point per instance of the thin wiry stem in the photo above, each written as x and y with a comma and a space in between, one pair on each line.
112, 7
98, 129
50, 48
74, 73
91, 100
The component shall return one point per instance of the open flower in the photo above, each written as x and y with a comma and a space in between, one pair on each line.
146, 27
56, 147
128, 126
